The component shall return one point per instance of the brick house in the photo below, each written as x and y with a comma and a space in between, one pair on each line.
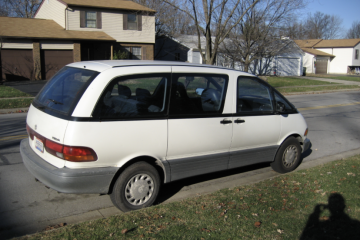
65, 31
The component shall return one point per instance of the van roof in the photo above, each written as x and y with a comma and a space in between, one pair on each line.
103, 65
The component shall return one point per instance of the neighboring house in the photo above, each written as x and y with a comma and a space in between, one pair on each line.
330, 56
288, 62
183, 48
65, 31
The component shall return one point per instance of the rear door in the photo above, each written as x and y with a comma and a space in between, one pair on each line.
256, 126
129, 119
199, 125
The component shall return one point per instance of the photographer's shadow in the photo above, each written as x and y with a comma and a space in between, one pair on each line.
338, 226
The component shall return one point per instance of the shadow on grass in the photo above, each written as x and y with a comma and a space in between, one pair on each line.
170, 189
337, 226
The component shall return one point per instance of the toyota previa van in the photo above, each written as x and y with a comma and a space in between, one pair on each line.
124, 128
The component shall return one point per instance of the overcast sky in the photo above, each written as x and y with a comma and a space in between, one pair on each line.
347, 10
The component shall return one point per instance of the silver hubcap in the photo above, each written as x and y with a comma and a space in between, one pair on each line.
139, 189
290, 156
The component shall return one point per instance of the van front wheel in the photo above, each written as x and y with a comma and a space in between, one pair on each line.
136, 187
288, 156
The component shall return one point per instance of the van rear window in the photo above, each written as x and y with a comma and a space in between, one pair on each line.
64, 90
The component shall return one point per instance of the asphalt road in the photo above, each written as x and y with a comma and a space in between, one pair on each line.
27, 206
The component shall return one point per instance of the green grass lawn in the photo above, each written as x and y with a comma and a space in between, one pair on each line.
319, 203
289, 81
9, 92
15, 103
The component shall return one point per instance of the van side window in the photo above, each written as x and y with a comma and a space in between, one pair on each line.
198, 94
253, 96
133, 96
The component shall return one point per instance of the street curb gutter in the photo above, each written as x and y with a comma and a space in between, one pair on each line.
194, 190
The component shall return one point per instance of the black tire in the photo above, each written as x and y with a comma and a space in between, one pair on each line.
136, 187
288, 156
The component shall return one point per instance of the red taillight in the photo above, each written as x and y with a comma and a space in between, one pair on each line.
69, 153
79, 154
30, 132
54, 148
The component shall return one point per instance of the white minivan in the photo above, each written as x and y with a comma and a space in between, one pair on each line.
125, 127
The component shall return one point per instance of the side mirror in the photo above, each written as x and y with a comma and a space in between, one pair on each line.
199, 91
280, 107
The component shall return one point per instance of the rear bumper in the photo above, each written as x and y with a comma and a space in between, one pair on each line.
306, 144
66, 180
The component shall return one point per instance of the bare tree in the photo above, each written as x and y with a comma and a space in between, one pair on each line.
213, 19
3, 9
354, 31
169, 23
322, 26
256, 37
21, 8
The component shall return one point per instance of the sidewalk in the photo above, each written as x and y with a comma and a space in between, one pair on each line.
344, 82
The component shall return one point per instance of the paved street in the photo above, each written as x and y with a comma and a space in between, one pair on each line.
27, 206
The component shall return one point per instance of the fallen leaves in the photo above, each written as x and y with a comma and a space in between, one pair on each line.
51, 227
124, 231
351, 174
257, 224
280, 231
205, 230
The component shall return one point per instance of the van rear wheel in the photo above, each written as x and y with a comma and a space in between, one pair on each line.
136, 187
288, 156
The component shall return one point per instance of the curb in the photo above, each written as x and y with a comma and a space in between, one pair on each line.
14, 110
203, 188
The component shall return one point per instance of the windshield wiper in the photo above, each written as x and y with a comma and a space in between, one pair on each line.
56, 102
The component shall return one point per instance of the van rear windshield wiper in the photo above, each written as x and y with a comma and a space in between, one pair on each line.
56, 102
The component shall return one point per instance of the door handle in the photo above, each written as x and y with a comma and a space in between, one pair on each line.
225, 121
239, 120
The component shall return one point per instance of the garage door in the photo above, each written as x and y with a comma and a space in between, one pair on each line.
17, 64
53, 60
288, 66
321, 66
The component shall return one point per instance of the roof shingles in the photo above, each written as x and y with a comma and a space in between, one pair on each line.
44, 29
112, 4
316, 52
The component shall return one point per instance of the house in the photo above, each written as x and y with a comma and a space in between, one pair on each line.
330, 56
65, 31
287, 62
183, 48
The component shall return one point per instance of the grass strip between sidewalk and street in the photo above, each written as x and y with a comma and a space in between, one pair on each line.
314, 88
290, 81
9, 92
317, 203
15, 103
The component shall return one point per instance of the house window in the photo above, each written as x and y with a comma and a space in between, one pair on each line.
90, 19
132, 22
134, 53
356, 53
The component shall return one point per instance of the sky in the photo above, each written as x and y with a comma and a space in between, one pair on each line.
347, 10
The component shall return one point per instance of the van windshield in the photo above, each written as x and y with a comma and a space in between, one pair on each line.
64, 90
